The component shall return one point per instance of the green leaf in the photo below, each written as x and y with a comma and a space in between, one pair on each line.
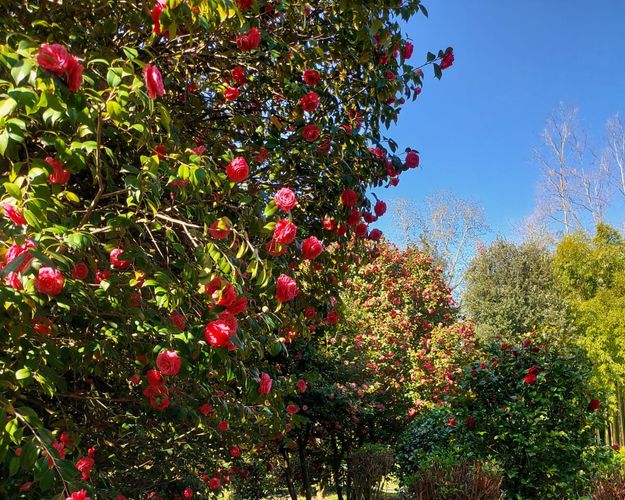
4, 141
22, 373
13, 190
21, 70
7, 106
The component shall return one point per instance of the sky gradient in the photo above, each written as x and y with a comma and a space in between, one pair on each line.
514, 63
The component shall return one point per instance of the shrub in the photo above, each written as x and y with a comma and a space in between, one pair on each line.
367, 467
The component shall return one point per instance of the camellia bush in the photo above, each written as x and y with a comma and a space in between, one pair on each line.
180, 182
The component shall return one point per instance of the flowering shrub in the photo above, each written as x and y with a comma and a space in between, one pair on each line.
152, 262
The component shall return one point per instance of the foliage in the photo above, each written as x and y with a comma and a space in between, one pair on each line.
368, 466
510, 290
150, 273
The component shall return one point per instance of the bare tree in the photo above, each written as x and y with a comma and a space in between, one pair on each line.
616, 148
445, 226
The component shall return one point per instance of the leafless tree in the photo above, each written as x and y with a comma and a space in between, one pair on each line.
445, 226
616, 149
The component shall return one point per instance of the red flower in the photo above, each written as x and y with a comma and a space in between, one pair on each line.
530, 378
238, 170
594, 405
168, 362
380, 208
311, 248
85, 466
310, 101
412, 159
353, 218
245, 4
349, 197
332, 318
292, 409
78, 495
80, 271
160, 151
116, 261
448, 59
237, 306
223, 426
286, 288
311, 77
53, 57
187, 493
154, 378
153, 81
310, 132
218, 333
14, 214
158, 396
74, 74
361, 230
452, 422
219, 229
59, 174
329, 224
206, 409
265, 384
407, 51
178, 320
285, 199
250, 41
15, 251
284, 232
275, 249
156, 15
214, 483
301, 386
470, 422
49, 281
231, 93
43, 326
394, 181
101, 275
227, 296
309, 312
235, 452
238, 75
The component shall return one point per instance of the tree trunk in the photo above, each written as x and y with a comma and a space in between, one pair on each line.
289, 478
336, 468
301, 446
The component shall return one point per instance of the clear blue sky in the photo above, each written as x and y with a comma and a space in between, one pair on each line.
514, 62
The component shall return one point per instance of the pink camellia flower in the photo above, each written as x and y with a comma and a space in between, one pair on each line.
448, 59
238, 75
14, 213
310, 132
311, 77
265, 384
412, 159
153, 81
59, 174
250, 41
231, 93
53, 57
223, 426
49, 281
178, 320
80, 271
333, 317
78, 495
310, 101
116, 261
380, 208
375, 235
349, 198
168, 362
156, 15
285, 199
407, 51
284, 232
238, 170
301, 386
292, 409
311, 248
85, 466
286, 288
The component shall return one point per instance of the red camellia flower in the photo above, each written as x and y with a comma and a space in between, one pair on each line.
85, 466
353, 218
218, 333
452, 422
301, 386
286, 288
168, 362
407, 51
73, 74
285, 199
238, 75
160, 151
448, 59
206, 409
412, 159
178, 320
328, 224
265, 384
78, 495
470, 422
14, 214
361, 230
332, 318
394, 181
223, 426
530, 378
214, 483
311, 248
349, 198
292, 409
594, 405
154, 378
101, 275
275, 249
80, 271
59, 174
238, 170
250, 41
237, 306
231, 93
153, 81
284, 232
375, 235
49, 281
380, 208
311, 77
235, 452
310, 132
245, 4
220, 229
43, 326
309, 312
310, 101
156, 15
53, 57
116, 261
187, 493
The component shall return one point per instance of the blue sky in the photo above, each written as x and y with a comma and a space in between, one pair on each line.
514, 63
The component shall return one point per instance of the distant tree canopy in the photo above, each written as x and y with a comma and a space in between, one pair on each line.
511, 290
